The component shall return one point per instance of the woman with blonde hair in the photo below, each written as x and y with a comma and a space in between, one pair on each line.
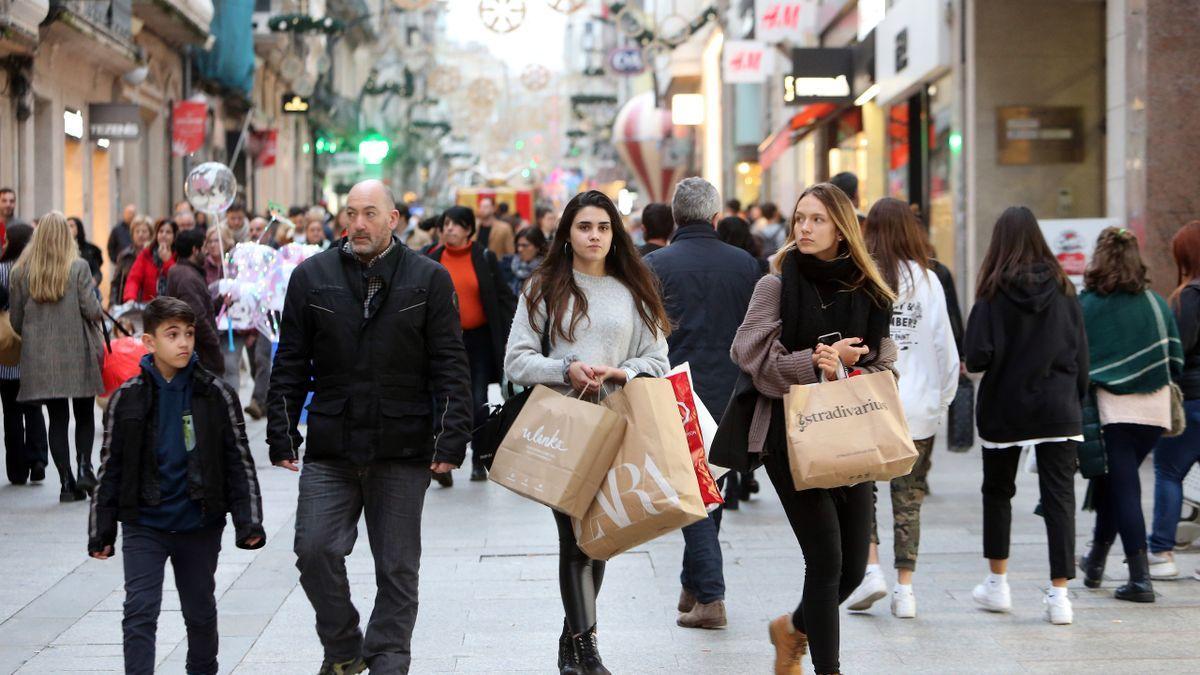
54, 307
825, 305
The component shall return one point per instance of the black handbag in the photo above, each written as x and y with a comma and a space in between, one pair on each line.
501, 417
961, 418
731, 443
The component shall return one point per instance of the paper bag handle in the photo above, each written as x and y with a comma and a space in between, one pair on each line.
583, 393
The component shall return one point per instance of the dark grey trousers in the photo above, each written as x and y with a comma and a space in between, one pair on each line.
332, 497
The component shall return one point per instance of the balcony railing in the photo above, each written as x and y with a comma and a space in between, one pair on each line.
111, 17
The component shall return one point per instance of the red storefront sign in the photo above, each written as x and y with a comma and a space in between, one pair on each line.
187, 127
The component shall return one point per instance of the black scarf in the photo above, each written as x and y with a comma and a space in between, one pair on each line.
821, 297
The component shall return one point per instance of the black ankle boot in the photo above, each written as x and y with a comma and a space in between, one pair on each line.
589, 654
87, 478
1138, 588
1092, 564
568, 659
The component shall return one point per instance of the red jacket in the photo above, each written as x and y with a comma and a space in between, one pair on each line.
142, 283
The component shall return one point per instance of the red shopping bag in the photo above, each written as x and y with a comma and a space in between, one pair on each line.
122, 363
681, 381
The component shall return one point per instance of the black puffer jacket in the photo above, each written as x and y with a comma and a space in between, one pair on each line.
220, 472
393, 385
1187, 316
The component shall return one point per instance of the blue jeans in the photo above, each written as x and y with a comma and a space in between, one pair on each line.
703, 568
193, 557
1173, 458
1118, 493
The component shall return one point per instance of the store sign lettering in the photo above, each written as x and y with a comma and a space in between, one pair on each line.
626, 61
794, 22
745, 62
901, 50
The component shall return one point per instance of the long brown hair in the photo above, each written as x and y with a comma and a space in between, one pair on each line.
1017, 243
554, 284
1185, 247
1116, 265
841, 212
895, 236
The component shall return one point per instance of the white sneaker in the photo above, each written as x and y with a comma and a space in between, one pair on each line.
1162, 567
904, 604
993, 597
1058, 609
872, 589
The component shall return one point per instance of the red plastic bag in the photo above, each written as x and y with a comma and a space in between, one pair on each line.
122, 363
681, 382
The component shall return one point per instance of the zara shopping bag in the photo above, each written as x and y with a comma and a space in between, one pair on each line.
557, 450
651, 487
847, 431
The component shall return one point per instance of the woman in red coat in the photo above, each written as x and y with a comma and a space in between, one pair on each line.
149, 274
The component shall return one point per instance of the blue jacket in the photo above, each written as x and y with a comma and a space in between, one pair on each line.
706, 286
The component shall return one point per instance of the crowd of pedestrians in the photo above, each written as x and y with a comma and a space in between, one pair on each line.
399, 326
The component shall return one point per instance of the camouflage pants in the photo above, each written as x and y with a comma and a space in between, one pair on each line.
908, 492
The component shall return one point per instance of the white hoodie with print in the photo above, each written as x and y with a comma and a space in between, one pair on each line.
928, 361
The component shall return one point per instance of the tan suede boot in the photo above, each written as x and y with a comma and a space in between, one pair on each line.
686, 600
790, 646
704, 615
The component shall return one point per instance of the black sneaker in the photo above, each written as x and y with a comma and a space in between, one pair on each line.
71, 495
478, 473
351, 667
444, 479
37, 473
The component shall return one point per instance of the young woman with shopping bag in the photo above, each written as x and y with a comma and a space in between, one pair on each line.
825, 305
929, 368
607, 325
1026, 335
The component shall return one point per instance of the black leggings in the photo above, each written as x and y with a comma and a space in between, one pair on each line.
834, 530
579, 578
85, 433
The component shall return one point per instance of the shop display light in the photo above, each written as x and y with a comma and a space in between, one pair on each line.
687, 109
373, 148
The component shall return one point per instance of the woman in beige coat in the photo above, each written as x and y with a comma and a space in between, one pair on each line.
56, 310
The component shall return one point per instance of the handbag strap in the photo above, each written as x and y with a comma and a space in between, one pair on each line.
1164, 338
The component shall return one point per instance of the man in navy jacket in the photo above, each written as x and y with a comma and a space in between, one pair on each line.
706, 286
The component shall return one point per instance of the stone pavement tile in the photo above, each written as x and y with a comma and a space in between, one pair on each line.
33, 632
76, 658
231, 651
1101, 666
104, 628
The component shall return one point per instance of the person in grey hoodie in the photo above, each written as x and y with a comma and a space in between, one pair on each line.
606, 324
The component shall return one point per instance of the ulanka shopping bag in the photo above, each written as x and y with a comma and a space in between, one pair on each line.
558, 450
651, 487
681, 381
847, 431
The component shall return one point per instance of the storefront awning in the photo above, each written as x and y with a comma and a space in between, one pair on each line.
800, 124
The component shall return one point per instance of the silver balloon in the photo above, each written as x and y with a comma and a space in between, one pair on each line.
211, 188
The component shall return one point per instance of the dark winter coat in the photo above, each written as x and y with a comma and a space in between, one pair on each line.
393, 385
1187, 316
706, 287
220, 472
499, 302
186, 281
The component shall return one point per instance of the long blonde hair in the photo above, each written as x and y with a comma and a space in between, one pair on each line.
841, 212
46, 262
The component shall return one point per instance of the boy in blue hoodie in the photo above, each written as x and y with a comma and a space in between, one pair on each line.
175, 460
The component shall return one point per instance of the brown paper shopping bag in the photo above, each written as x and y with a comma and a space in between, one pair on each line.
651, 487
558, 450
847, 431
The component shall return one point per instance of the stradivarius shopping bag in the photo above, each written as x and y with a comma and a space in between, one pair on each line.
847, 431
558, 450
651, 487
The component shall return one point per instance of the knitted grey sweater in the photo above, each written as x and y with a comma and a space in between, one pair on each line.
612, 335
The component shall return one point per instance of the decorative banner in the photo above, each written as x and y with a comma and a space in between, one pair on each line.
626, 61
746, 62
791, 21
188, 120
264, 145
